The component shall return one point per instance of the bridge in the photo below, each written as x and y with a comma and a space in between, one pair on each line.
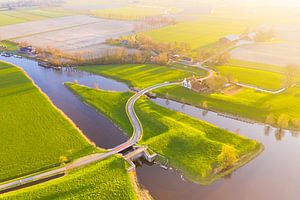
139, 152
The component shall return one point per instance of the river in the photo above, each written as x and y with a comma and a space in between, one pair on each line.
275, 174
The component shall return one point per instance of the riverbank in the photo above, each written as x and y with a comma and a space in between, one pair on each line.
242, 103
192, 146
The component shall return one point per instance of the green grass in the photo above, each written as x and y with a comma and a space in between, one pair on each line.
191, 145
256, 65
263, 79
33, 133
7, 19
27, 15
141, 76
245, 103
200, 33
10, 46
107, 179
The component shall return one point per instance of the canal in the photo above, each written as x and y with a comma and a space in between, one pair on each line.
273, 175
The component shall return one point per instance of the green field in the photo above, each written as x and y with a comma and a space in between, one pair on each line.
26, 15
200, 33
34, 135
263, 79
256, 65
245, 103
141, 76
191, 146
107, 179
10, 46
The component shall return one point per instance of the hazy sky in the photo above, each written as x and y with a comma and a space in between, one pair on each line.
268, 2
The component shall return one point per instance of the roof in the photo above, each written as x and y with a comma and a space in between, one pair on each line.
232, 37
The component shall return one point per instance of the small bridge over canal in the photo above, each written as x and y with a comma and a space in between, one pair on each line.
138, 152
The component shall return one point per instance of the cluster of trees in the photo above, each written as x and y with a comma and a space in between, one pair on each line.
157, 52
154, 22
119, 56
292, 73
57, 57
216, 83
264, 35
228, 157
283, 121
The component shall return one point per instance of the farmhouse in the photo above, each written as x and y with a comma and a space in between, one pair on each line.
195, 85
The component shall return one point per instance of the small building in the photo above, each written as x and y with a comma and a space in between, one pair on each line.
186, 59
187, 84
27, 50
124, 42
229, 39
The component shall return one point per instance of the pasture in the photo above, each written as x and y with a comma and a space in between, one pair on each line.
200, 33
107, 179
260, 78
245, 103
191, 145
34, 134
141, 75
27, 15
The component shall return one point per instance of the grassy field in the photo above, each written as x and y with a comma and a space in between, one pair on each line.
256, 65
200, 33
34, 135
191, 146
245, 103
260, 78
107, 179
128, 13
26, 15
140, 76
10, 46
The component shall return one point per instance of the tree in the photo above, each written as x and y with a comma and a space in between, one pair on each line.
96, 86
227, 157
283, 121
296, 123
63, 160
270, 119
216, 83
205, 104
291, 74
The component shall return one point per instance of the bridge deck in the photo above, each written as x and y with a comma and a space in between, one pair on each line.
135, 153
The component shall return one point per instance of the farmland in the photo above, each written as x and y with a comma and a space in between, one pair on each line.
107, 179
131, 12
71, 34
34, 134
140, 76
200, 33
26, 15
256, 77
245, 103
191, 146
